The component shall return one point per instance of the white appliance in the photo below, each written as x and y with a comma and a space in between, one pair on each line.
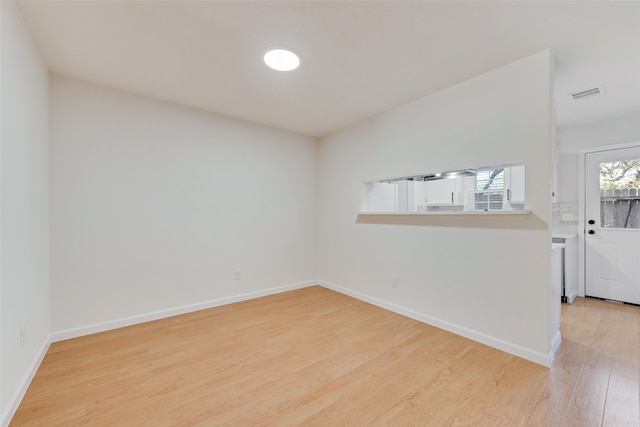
569, 266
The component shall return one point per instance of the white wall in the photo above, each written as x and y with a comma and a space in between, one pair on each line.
567, 177
571, 141
24, 225
611, 132
483, 277
154, 206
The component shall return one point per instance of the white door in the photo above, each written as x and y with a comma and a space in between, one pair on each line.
612, 239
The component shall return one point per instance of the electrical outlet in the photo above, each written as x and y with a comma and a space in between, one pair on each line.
567, 216
236, 275
396, 282
23, 336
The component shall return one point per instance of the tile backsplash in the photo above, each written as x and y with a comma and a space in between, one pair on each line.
564, 217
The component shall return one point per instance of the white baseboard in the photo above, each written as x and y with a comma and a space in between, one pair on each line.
555, 343
161, 314
15, 400
525, 353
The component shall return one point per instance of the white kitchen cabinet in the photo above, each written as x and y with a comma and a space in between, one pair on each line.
380, 197
555, 291
445, 192
514, 184
554, 183
555, 162
419, 189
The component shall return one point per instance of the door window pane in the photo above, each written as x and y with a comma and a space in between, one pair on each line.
620, 194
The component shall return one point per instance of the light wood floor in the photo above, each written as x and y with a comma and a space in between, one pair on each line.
313, 357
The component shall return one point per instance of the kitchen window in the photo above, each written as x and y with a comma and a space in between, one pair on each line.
488, 194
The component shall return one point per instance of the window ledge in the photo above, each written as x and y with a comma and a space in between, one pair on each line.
447, 213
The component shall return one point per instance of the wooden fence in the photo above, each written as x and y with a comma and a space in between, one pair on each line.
620, 208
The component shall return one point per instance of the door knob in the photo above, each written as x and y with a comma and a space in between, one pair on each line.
592, 232
591, 222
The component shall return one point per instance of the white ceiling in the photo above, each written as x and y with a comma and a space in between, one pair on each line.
359, 58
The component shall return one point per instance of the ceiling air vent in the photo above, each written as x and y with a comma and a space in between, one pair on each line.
587, 94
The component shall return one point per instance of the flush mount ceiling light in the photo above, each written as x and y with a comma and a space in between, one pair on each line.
281, 59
